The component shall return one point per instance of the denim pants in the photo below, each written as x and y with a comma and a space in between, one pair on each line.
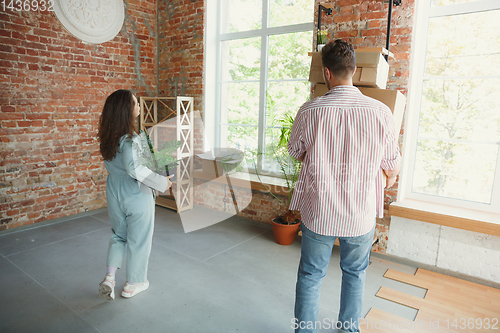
315, 255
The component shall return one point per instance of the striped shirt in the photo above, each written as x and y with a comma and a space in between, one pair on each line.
346, 139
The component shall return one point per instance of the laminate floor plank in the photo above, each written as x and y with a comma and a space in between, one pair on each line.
450, 305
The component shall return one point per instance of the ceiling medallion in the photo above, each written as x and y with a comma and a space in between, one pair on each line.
92, 21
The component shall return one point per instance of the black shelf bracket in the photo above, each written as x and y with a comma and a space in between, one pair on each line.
328, 11
389, 19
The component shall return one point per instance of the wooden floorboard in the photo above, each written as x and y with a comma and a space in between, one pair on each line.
450, 305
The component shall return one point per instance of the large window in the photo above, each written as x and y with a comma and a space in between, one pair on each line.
455, 101
262, 71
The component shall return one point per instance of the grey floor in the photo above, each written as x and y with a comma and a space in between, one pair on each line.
229, 277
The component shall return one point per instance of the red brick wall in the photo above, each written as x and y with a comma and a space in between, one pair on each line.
181, 28
364, 24
181, 25
52, 90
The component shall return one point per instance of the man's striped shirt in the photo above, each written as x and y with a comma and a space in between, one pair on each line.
345, 139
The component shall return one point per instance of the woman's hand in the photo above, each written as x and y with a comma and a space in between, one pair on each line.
169, 185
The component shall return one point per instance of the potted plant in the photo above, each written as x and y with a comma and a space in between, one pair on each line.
321, 39
285, 227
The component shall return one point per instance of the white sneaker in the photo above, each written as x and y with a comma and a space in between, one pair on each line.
107, 288
130, 290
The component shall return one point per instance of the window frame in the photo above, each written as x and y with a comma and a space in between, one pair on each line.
424, 11
214, 136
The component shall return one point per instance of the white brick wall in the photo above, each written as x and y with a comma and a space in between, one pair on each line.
462, 251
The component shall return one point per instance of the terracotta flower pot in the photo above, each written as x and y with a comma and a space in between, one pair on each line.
284, 234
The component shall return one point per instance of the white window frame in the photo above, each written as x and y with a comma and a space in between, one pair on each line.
213, 69
424, 12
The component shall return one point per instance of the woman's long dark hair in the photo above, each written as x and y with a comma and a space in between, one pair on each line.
116, 120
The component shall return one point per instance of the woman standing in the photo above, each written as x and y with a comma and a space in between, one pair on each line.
129, 193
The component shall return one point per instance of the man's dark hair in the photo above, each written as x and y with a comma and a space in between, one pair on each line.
338, 56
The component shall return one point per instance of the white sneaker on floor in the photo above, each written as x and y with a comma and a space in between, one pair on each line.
130, 290
107, 288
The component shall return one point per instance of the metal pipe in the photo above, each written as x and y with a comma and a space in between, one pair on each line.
388, 40
319, 23
389, 20
328, 11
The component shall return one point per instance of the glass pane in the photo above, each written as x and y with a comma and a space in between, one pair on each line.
455, 170
461, 109
285, 98
241, 15
460, 45
448, 2
270, 164
288, 57
286, 12
243, 138
241, 59
240, 103
278, 161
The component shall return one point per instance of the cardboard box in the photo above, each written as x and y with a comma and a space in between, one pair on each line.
382, 50
372, 69
212, 167
316, 71
320, 89
211, 164
220, 161
394, 99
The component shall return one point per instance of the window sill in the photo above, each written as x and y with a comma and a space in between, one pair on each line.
246, 180
455, 217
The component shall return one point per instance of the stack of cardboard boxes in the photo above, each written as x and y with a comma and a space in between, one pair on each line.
370, 78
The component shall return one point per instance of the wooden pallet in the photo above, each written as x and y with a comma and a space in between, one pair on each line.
450, 305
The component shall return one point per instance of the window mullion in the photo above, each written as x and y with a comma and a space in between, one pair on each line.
268, 31
414, 102
462, 77
263, 82
218, 83
463, 8
495, 195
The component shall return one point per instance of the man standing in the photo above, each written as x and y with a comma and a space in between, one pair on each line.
345, 140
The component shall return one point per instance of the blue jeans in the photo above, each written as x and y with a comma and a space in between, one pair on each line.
315, 255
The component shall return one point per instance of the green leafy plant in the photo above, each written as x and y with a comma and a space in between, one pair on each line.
322, 36
289, 167
159, 160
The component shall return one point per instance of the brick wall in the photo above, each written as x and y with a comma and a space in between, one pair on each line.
364, 24
52, 90
181, 26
